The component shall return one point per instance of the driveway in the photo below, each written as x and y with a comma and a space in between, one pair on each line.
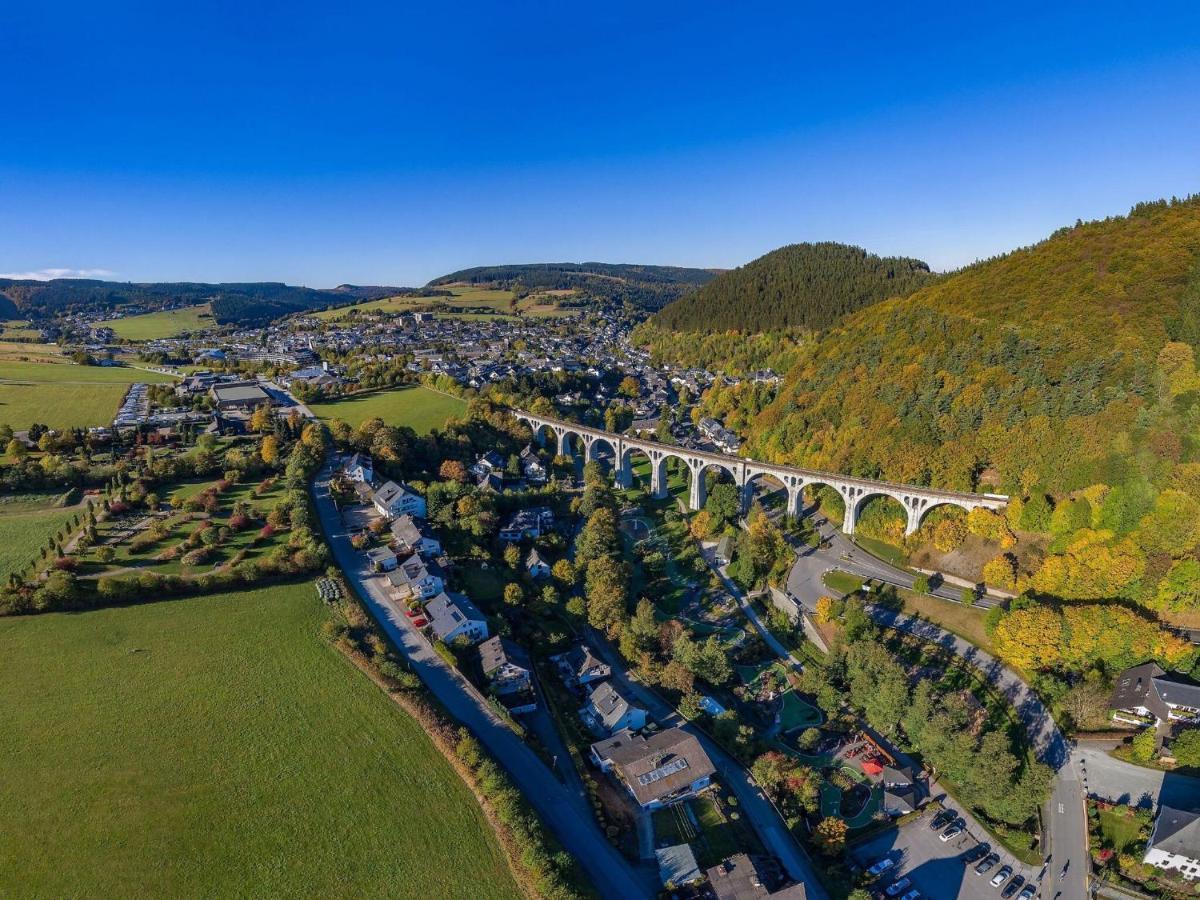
565, 813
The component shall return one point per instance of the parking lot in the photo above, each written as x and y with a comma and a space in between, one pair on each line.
935, 868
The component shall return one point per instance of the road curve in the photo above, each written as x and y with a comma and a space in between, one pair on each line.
567, 815
1065, 815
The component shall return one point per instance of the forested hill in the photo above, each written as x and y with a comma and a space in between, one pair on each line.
252, 303
799, 286
648, 287
1046, 368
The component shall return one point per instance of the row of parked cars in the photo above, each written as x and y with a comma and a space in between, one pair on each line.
901, 888
984, 859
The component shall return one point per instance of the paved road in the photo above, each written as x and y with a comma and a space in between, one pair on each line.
1065, 817
754, 804
564, 813
1122, 782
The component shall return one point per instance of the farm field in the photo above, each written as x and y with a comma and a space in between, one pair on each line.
465, 297
418, 407
21, 351
218, 747
24, 531
162, 324
63, 395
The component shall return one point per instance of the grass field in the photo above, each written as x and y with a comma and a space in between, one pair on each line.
23, 533
965, 621
63, 395
418, 407
163, 324
218, 747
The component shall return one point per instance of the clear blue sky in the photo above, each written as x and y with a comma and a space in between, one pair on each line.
317, 144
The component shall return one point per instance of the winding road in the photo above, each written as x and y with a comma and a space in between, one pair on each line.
1065, 814
564, 811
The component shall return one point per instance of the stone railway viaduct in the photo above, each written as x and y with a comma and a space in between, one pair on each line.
855, 492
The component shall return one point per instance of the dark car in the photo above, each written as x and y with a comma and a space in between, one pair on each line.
1012, 886
942, 818
987, 864
977, 852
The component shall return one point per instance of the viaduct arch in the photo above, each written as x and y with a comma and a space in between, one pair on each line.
855, 492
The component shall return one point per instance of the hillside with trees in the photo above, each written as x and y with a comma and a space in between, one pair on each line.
801, 286
252, 303
1063, 375
647, 287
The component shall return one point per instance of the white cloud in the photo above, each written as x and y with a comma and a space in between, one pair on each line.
48, 274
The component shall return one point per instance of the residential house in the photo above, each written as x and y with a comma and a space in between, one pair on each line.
505, 665
535, 565
453, 616
901, 794
489, 481
394, 500
743, 877
527, 523
383, 559
607, 711
491, 463
1174, 843
1147, 692
659, 770
579, 666
360, 468
410, 536
531, 466
724, 551
416, 579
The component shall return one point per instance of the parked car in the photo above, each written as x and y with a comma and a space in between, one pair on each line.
881, 866
1028, 891
420, 622
945, 816
979, 851
412, 613
912, 895
1011, 887
988, 864
897, 888
1002, 876
950, 833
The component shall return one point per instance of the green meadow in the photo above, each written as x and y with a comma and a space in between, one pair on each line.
218, 746
63, 395
162, 324
418, 407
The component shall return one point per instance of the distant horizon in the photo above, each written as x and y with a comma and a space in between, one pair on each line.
231, 146
54, 274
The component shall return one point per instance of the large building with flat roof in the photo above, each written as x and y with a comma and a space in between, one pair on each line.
239, 395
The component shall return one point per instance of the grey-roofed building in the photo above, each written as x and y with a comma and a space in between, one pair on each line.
535, 565
416, 578
677, 866
452, 616
393, 500
1175, 842
505, 664
579, 666
1148, 691
607, 711
238, 395
411, 536
659, 770
743, 877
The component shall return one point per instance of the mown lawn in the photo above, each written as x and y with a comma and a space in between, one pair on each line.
418, 407
163, 324
24, 532
218, 747
62, 395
